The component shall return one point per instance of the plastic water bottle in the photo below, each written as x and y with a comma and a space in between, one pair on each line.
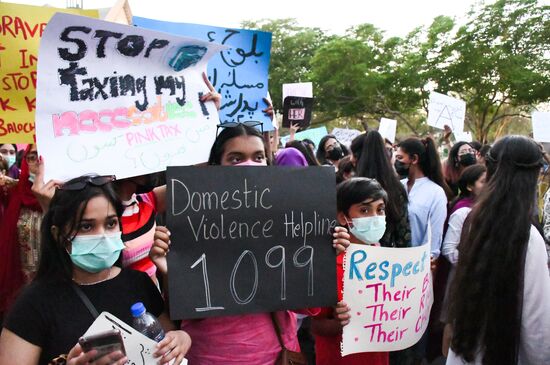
146, 323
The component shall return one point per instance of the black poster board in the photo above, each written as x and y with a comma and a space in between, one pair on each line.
250, 239
297, 110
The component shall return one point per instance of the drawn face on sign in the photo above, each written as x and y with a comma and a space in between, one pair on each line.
244, 150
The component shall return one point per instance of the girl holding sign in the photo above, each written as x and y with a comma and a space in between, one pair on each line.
361, 206
247, 338
500, 295
81, 242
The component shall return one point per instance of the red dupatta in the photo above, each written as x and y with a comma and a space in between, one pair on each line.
11, 275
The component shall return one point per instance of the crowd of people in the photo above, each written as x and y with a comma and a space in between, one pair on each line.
477, 209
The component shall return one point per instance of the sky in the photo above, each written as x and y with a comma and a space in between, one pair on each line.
395, 17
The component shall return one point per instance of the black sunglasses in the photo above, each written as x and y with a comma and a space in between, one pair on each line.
248, 123
94, 180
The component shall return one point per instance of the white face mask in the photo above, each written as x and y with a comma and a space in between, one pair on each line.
368, 229
32, 177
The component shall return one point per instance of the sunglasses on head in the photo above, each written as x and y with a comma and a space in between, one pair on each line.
81, 183
248, 123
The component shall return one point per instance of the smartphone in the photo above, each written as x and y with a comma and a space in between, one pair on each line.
104, 342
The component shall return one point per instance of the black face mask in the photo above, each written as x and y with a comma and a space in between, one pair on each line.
402, 169
335, 154
467, 159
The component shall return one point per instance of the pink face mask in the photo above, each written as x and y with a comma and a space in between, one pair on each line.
251, 163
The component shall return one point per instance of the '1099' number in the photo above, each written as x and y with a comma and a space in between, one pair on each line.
305, 250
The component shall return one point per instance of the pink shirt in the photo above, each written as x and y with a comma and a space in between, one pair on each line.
241, 339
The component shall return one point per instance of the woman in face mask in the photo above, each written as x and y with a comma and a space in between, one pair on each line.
81, 243
419, 161
20, 233
248, 338
330, 151
9, 153
462, 155
361, 204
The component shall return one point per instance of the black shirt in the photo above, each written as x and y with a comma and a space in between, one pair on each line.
53, 317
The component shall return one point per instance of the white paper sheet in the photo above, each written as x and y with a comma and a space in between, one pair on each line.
345, 135
388, 128
389, 291
139, 348
302, 89
541, 126
445, 110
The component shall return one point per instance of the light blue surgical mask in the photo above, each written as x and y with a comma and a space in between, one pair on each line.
95, 253
10, 159
32, 177
368, 229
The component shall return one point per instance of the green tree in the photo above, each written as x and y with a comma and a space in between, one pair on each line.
500, 64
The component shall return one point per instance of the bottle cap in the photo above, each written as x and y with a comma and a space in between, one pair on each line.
137, 309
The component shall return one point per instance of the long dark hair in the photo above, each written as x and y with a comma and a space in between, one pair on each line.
306, 151
228, 133
372, 162
321, 152
468, 178
428, 160
487, 292
65, 212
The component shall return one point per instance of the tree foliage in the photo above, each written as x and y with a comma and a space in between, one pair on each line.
498, 62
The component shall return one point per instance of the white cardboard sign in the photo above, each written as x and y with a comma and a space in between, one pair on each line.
302, 89
388, 128
541, 126
345, 135
139, 348
389, 291
122, 100
445, 110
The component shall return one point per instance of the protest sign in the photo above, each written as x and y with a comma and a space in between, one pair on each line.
345, 135
115, 99
139, 348
463, 137
297, 110
239, 74
541, 126
445, 110
388, 128
250, 239
20, 30
303, 89
390, 294
314, 134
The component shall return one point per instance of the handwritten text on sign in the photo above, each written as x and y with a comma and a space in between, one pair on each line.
389, 291
115, 99
21, 27
445, 110
239, 73
250, 239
